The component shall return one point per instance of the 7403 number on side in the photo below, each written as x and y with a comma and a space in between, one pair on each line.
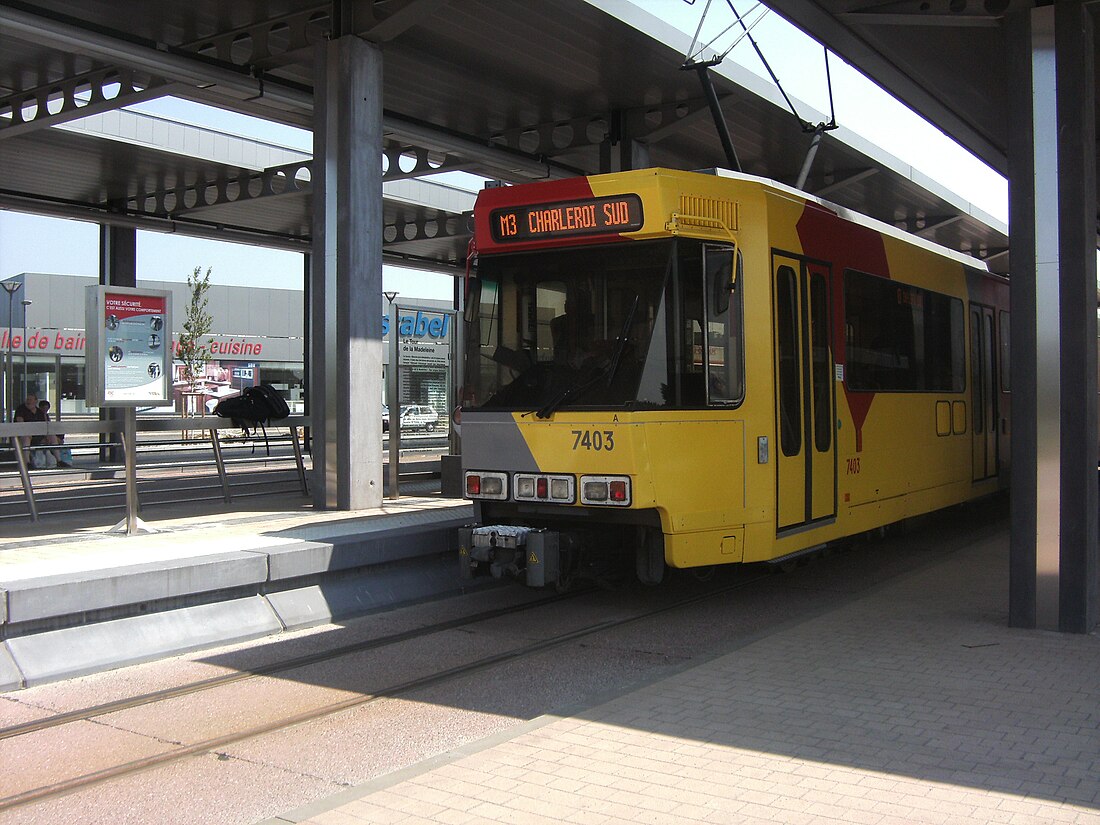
593, 440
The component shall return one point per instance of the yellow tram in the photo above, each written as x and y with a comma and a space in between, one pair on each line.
686, 369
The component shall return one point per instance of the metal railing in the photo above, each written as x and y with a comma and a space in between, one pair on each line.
213, 428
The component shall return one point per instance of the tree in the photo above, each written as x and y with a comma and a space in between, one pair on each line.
193, 351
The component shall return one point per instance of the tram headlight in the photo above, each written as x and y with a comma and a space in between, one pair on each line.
611, 491
489, 485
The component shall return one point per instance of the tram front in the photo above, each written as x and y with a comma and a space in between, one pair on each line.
584, 361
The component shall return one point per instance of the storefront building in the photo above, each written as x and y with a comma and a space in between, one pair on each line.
257, 337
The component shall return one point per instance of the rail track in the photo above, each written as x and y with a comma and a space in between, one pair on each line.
123, 769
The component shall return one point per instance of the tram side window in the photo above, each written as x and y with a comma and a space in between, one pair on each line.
708, 365
484, 336
787, 345
902, 338
724, 365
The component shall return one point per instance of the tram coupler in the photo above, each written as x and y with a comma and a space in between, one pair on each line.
510, 550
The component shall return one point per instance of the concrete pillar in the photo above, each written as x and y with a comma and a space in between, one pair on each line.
1052, 170
345, 395
117, 267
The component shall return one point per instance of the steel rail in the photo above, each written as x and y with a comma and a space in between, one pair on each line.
105, 708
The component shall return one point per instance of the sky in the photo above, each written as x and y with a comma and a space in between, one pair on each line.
31, 243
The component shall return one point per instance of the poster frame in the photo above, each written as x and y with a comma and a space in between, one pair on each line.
99, 379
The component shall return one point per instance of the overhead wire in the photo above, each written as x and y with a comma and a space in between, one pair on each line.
764, 11
806, 125
693, 54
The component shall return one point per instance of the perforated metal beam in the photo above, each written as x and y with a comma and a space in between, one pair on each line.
822, 185
443, 225
155, 61
275, 181
649, 123
926, 224
76, 97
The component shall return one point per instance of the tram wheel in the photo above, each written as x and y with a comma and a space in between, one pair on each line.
703, 574
649, 556
567, 575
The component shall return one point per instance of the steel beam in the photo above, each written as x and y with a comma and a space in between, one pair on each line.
73, 98
151, 223
648, 123
183, 68
275, 181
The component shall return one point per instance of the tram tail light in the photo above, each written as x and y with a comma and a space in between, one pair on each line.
486, 485
617, 491
605, 490
556, 489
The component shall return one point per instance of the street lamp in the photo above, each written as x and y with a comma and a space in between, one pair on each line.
11, 287
26, 303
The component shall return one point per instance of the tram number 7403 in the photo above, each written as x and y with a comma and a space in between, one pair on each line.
593, 440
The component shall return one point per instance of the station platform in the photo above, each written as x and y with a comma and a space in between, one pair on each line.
76, 598
913, 702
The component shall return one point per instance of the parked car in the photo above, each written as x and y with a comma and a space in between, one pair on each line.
413, 417
419, 417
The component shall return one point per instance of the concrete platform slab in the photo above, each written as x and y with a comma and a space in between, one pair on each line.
80, 591
378, 546
88, 600
75, 651
10, 676
381, 587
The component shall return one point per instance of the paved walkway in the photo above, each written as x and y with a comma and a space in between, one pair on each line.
913, 704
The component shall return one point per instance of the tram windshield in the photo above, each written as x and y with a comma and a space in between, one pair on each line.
625, 326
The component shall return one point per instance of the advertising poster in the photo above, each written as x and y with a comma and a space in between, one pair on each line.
134, 347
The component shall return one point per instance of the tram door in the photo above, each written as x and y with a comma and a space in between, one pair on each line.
983, 399
805, 393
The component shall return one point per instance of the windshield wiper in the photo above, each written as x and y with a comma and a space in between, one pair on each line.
608, 371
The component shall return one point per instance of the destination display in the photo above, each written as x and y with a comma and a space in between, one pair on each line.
591, 216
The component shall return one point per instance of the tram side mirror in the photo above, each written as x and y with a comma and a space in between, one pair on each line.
721, 276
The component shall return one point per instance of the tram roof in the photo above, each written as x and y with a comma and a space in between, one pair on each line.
512, 91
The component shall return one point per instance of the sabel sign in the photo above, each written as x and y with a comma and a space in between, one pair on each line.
423, 338
421, 325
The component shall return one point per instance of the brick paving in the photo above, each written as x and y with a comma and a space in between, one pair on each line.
914, 703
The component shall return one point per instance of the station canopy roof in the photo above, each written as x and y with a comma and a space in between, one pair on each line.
946, 59
507, 90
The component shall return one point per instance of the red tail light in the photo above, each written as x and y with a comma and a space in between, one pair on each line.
473, 485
